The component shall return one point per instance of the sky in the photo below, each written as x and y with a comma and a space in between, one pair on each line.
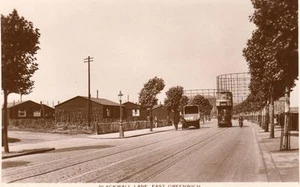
184, 42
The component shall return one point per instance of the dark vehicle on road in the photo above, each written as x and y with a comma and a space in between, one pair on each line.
191, 115
224, 108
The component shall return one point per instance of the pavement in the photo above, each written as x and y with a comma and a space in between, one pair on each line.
280, 166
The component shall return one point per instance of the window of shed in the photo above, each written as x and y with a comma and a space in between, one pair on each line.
136, 112
37, 113
22, 113
107, 112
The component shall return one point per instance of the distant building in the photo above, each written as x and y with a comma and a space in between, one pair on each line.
134, 111
294, 118
75, 110
29, 110
161, 113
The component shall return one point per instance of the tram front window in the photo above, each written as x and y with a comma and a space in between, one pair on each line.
191, 110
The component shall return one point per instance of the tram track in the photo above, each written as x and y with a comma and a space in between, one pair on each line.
210, 155
168, 161
137, 167
14, 171
69, 162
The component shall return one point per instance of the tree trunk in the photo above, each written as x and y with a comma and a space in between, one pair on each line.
151, 120
261, 118
285, 144
267, 118
176, 119
271, 117
5, 123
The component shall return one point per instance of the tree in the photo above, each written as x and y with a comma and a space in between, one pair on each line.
147, 95
263, 72
204, 105
19, 42
253, 103
184, 101
173, 102
207, 108
272, 52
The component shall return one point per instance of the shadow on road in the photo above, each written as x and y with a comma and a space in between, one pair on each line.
11, 140
10, 164
244, 126
194, 128
81, 148
286, 151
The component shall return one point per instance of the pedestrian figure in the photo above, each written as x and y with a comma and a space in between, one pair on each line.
169, 122
241, 121
155, 122
183, 122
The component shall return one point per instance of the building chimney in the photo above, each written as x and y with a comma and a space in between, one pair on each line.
97, 94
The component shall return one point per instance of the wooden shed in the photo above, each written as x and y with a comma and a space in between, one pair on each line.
134, 111
75, 110
29, 110
161, 113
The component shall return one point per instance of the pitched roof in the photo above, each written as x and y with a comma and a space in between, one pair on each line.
100, 101
131, 103
12, 104
103, 101
157, 106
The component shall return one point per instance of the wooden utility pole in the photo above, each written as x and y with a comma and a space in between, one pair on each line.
88, 60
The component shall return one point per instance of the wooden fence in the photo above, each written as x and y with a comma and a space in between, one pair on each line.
103, 128
50, 125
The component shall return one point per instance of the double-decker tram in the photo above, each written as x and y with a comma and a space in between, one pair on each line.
224, 108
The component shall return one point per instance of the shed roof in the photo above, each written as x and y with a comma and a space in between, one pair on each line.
13, 104
157, 106
131, 103
292, 110
101, 101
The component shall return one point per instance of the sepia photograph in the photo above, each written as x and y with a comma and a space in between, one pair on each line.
149, 93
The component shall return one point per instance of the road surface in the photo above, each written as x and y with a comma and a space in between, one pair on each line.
208, 154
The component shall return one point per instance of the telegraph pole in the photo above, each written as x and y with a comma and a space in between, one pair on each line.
88, 60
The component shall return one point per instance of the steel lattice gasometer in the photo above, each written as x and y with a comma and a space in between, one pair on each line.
236, 83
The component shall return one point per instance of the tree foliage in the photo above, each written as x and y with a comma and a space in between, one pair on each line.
204, 104
174, 96
19, 42
253, 103
174, 101
184, 101
147, 95
272, 52
207, 107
